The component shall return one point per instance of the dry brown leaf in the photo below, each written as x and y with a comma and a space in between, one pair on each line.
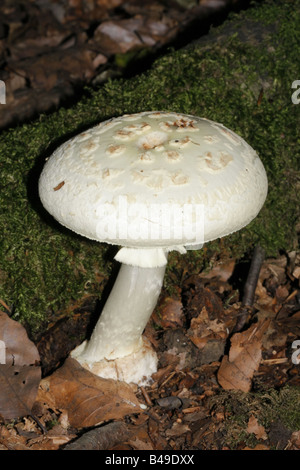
20, 372
295, 440
118, 37
19, 386
275, 268
11, 439
203, 329
282, 293
19, 349
137, 444
296, 272
87, 398
255, 428
171, 312
177, 430
29, 425
223, 271
237, 369
263, 300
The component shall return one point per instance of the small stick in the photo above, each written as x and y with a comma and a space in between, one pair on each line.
101, 438
250, 286
5, 305
41, 426
279, 360
146, 396
167, 379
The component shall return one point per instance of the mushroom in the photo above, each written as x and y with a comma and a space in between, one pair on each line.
150, 183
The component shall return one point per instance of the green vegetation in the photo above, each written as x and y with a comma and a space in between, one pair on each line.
269, 407
246, 85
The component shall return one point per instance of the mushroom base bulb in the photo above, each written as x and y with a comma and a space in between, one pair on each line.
136, 368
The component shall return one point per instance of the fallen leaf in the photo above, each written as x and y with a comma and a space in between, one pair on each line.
295, 440
28, 425
198, 297
281, 293
255, 428
222, 271
275, 268
19, 386
171, 312
20, 373
296, 272
177, 430
118, 37
137, 444
203, 329
263, 299
87, 398
19, 349
237, 369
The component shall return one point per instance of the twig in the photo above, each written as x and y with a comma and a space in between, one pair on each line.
250, 286
101, 438
5, 306
41, 426
151, 416
146, 396
279, 360
167, 379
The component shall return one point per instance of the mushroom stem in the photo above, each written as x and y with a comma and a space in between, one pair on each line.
118, 332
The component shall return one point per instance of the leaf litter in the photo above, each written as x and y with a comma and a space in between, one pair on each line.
20, 372
215, 388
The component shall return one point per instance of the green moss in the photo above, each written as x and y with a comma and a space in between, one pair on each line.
44, 267
268, 407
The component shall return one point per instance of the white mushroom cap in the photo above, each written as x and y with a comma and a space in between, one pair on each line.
154, 180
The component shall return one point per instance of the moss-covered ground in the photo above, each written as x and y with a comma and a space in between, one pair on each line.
240, 79
271, 408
